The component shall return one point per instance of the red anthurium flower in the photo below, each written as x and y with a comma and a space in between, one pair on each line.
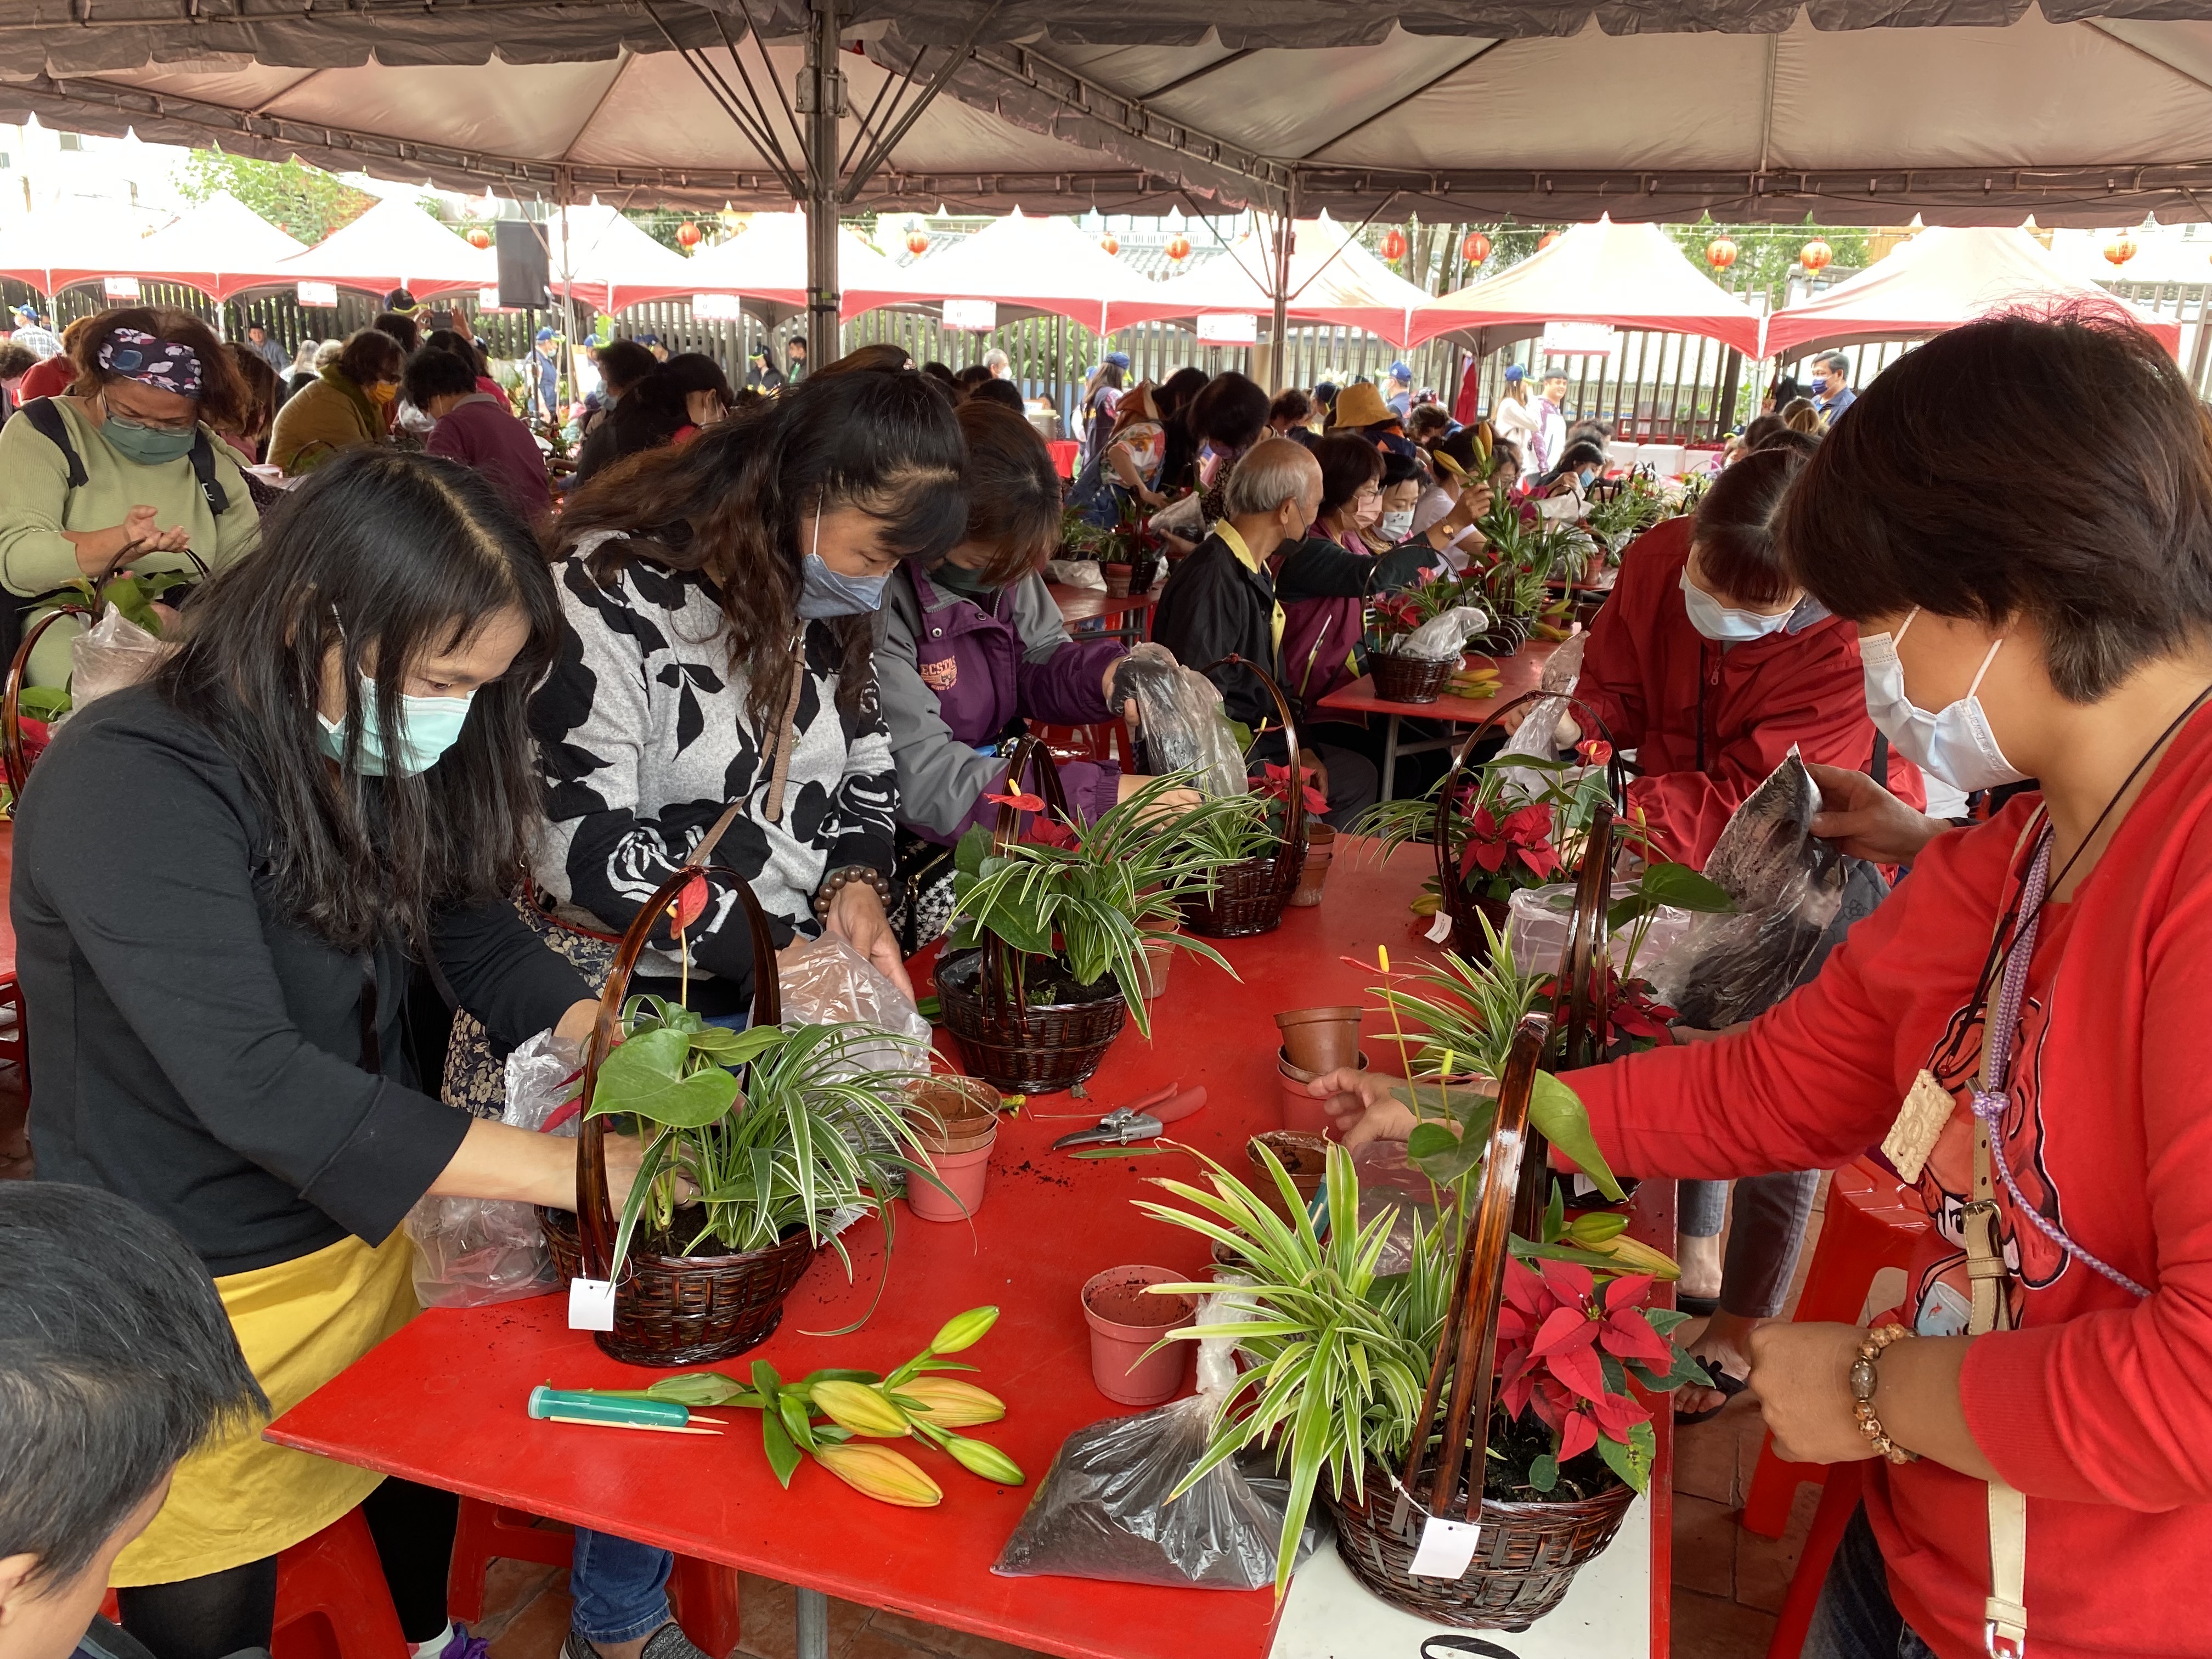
1050, 833
1024, 802
1577, 1434
1595, 752
690, 902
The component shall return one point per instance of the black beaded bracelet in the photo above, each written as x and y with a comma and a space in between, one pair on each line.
845, 877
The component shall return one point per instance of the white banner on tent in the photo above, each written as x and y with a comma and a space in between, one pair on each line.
319, 294
1229, 328
717, 308
1580, 339
119, 288
975, 316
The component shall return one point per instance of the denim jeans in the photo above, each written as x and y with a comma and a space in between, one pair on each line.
620, 1588
1771, 1211
1856, 1618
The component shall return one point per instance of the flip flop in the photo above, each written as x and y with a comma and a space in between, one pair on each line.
1703, 1307
1729, 1387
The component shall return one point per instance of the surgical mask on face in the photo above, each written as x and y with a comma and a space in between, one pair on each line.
149, 446
825, 592
1954, 743
428, 726
1717, 622
1396, 526
381, 391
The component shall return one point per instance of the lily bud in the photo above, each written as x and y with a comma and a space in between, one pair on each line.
862, 1409
980, 1457
878, 1472
946, 1403
964, 1330
1595, 1228
1633, 1256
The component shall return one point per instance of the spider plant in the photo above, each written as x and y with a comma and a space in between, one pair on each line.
1465, 1011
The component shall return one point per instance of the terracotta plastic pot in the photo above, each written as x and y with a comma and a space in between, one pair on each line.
1117, 580
1124, 1321
1153, 962
953, 1114
1321, 851
1320, 1039
1304, 1158
963, 1172
1302, 1111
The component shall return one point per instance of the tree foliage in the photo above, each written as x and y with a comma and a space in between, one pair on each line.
303, 201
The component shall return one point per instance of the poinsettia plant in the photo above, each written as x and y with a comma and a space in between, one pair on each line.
1393, 618
1273, 785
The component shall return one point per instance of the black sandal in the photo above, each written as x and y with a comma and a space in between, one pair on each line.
1730, 1386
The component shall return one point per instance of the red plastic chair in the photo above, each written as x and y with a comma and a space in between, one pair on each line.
1839, 1496
1064, 451
704, 1595
1107, 740
332, 1600
1871, 1222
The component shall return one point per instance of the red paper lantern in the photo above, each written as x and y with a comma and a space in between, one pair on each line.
1178, 247
1393, 245
1110, 242
1546, 240
688, 234
917, 241
1816, 255
1720, 254
479, 237
2120, 249
1475, 249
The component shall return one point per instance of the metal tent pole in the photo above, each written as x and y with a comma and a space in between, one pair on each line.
1279, 360
822, 101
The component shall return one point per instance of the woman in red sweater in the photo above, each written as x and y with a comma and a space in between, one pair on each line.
2045, 1468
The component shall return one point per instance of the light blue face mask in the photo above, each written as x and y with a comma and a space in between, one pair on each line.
428, 726
825, 592
149, 446
1724, 626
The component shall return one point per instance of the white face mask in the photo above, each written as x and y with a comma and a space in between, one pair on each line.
1717, 622
1396, 526
1955, 743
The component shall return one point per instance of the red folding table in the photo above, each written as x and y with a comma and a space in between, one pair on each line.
1521, 672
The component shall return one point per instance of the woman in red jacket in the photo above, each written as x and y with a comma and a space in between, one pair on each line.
2034, 1431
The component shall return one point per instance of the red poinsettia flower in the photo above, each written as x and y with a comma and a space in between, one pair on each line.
1524, 835
1276, 780
1595, 752
1556, 1328
1024, 802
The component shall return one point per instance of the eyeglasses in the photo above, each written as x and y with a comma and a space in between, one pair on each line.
1368, 492
132, 418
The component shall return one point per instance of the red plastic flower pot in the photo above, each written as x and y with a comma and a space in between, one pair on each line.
1320, 1039
965, 1173
1126, 1320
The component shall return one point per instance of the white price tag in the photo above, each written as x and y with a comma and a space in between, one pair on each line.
1583, 1185
1440, 928
591, 1305
1447, 1547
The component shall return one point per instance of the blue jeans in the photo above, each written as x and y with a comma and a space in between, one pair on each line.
1856, 1618
1771, 1212
620, 1588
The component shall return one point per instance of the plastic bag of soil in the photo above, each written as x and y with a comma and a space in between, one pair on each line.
1538, 737
1441, 637
1103, 1509
1181, 723
1788, 890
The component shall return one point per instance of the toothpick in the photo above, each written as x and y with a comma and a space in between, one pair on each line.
643, 1428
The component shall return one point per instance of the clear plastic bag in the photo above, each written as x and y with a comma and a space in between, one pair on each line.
471, 1252
825, 981
1787, 888
1181, 723
1537, 919
111, 655
1103, 1511
1075, 573
1441, 637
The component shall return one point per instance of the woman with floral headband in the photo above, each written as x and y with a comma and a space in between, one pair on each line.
125, 468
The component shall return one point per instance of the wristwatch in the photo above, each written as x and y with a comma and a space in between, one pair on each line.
1864, 1379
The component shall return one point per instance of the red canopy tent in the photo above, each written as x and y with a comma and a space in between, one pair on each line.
1941, 278
220, 247
1027, 265
1332, 279
1628, 276
766, 263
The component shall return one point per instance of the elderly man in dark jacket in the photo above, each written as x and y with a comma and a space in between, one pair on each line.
1227, 598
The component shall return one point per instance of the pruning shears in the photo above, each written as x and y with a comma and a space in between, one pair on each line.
1118, 1127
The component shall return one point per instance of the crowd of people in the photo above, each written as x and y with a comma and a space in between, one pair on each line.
422, 724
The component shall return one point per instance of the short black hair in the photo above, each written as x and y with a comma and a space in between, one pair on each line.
403, 328
1734, 533
972, 376
1761, 428
1174, 395
1292, 405
371, 355
116, 1359
1229, 410
1400, 469
1349, 463
434, 372
997, 391
623, 364
1943, 490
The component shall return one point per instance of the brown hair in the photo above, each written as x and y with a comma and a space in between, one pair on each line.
1945, 490
1349, 463
1734, 533
263, 393
1014, 490
370, 355
223, 399
1799, 415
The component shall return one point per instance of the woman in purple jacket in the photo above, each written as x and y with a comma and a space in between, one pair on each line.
971, 648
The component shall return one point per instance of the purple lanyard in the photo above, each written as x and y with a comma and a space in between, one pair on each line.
1991, 1098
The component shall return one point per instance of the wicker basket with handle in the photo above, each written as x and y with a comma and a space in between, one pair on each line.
14, 760
1411, 679
672, 1310
1248, 897
1011, 1042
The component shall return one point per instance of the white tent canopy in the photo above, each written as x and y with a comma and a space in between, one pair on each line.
607, 261
765, 264
1628, 276
394, 245
1027, 265
1938, 280
1836, 111
1332, 279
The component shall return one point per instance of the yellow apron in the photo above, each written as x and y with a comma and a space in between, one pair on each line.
299, 1324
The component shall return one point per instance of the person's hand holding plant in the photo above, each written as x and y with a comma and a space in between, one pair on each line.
856, 915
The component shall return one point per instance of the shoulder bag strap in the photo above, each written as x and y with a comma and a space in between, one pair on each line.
218, 498
46, 419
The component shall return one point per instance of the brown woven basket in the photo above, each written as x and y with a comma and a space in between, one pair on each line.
1524, 1561
1248, 897
671, 1310
1037, 1050
15, 764
688, 1309
1410, 679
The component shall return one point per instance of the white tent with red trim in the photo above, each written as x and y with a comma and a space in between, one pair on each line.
1332, 279
609, 261
1028, 265
394, 245
765, 264
1939, 279
1627, 275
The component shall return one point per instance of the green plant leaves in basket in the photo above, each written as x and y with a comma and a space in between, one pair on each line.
1445, 1148
645, 1077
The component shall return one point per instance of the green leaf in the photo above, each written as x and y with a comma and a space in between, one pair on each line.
696, 1388
1684, 887
1555, 1215
793, 1410
968, 856
645, 1076
1664, 1320
1120, 1152
1431, 1141
1557, 1112
728, 1047
782, 1455
1630, 1459
1543, 1473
